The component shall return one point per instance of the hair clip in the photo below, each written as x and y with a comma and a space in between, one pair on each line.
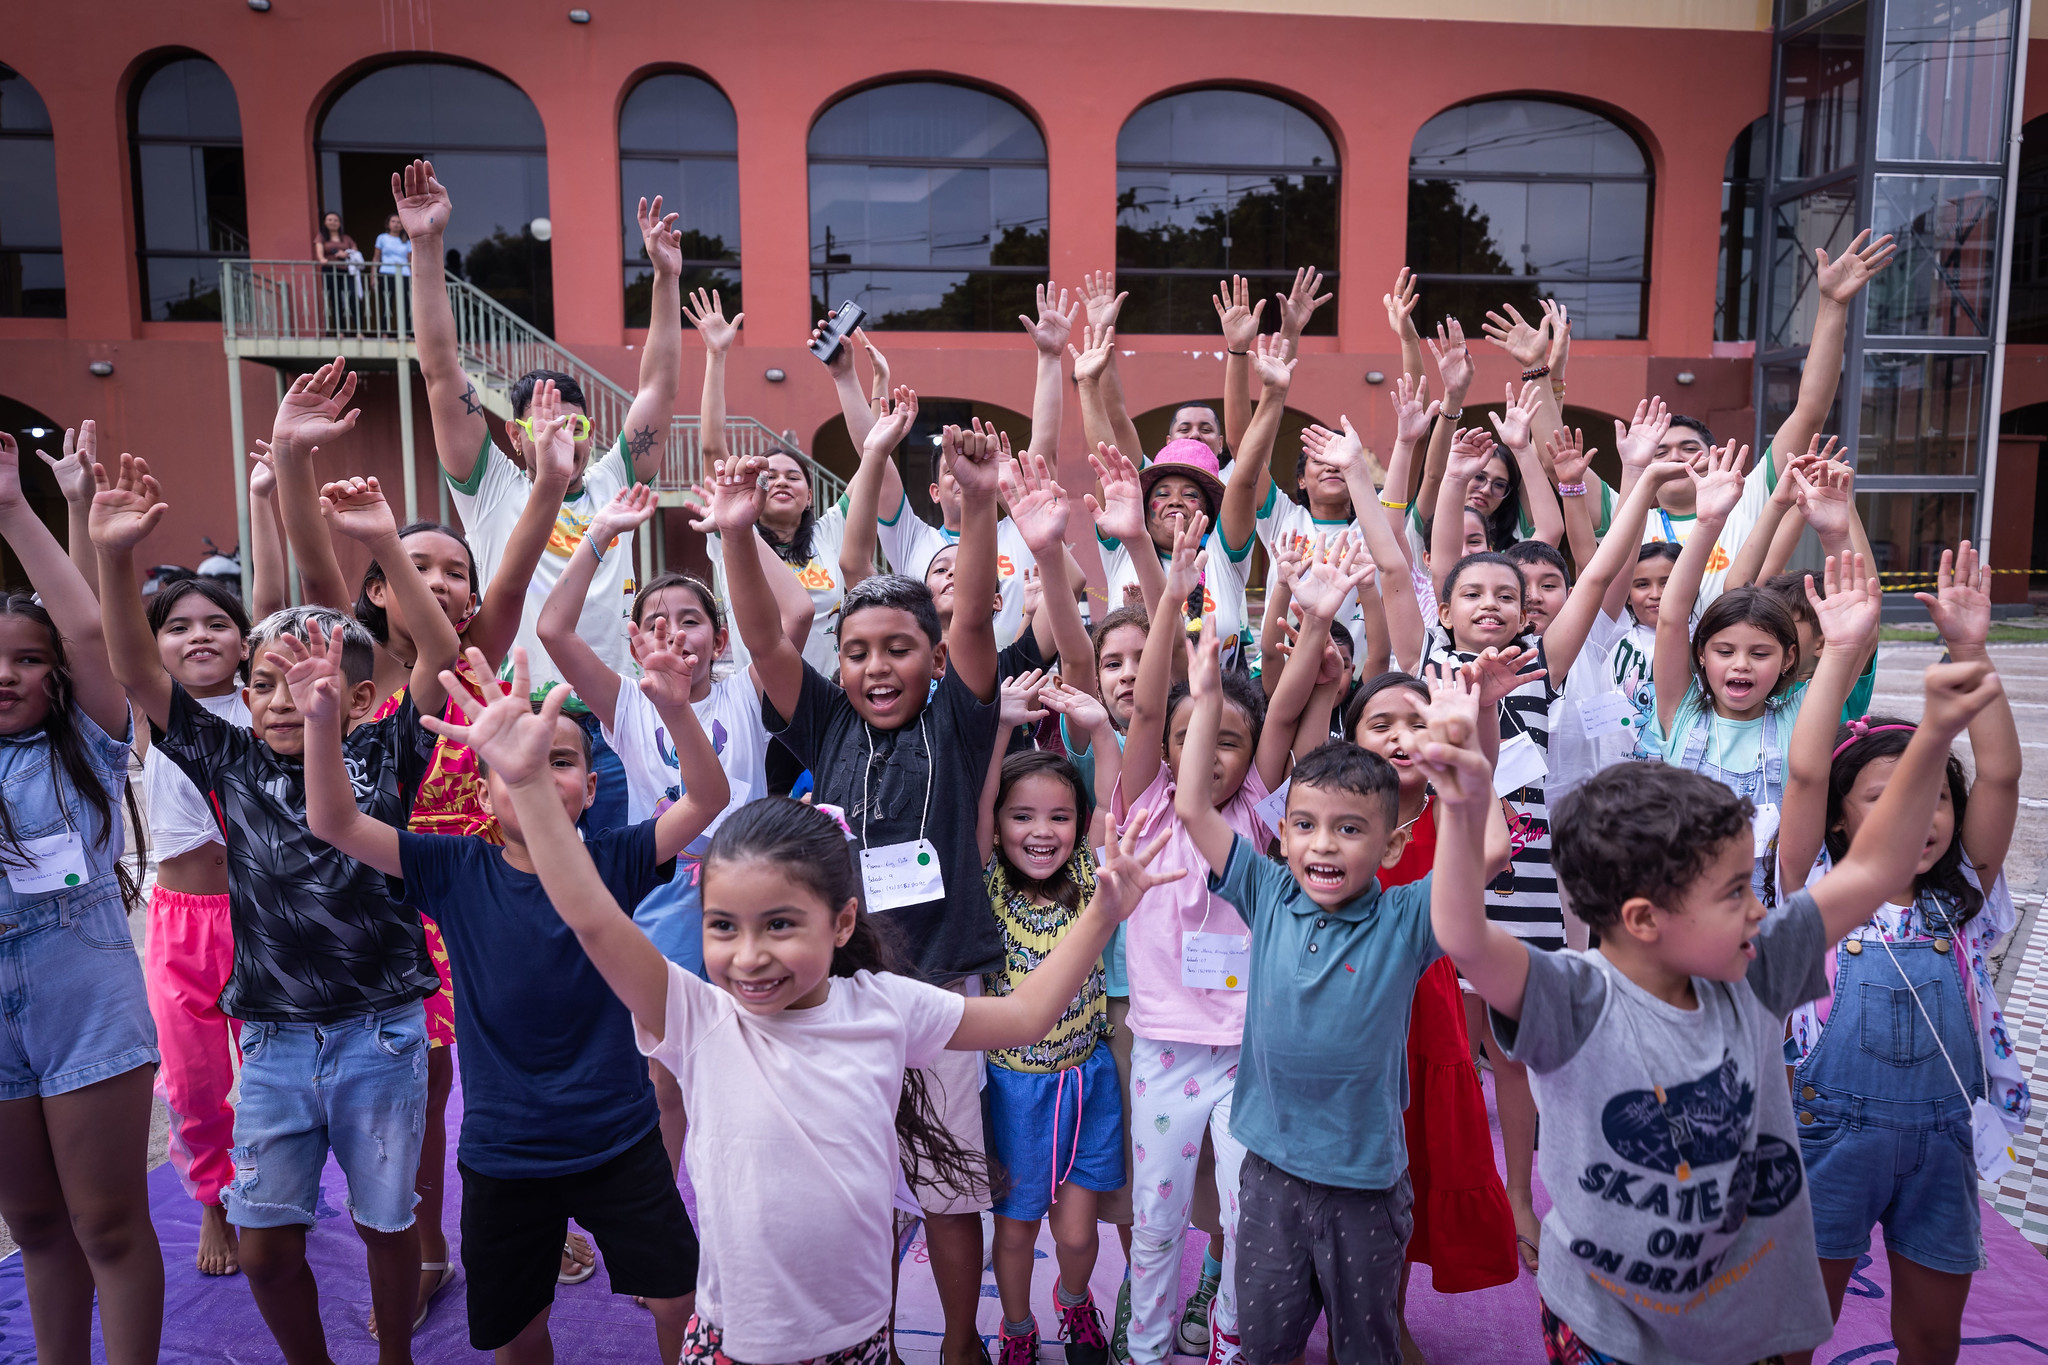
838, 818
1861, 729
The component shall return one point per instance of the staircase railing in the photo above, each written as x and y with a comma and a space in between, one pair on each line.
354, 307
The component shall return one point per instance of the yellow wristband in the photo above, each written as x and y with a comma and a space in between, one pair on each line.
1393, 506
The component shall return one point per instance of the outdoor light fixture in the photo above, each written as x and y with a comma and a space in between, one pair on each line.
1686, 376
775, 376
579, 16
260, 6
1375, 377
542, 229
103, 368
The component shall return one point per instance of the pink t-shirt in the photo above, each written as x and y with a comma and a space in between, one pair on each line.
1162, 1007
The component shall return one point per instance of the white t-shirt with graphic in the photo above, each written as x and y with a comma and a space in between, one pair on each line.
911, 543
821, 579
1223, 580
730, 715
490, 502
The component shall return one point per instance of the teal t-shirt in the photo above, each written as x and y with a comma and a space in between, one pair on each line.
1734, 745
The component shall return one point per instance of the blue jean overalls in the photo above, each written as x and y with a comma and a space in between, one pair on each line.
1884, 1127
1763, 784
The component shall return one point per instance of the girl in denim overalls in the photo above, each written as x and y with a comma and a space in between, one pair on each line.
1886, 1068
78, 1051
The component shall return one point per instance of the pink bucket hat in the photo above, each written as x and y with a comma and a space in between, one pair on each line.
1189, 459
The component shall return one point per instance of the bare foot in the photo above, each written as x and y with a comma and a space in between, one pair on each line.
219, 1251
577, 1254
1528, 1229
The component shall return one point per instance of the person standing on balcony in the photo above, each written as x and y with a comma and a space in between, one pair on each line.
332, 248
491, 488
393, 255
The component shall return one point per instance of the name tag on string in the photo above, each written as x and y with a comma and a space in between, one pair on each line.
896, 875
1610, 713
1992, 1143
1273, 809
1520, 765
1764, 825
54, 862
1215, 962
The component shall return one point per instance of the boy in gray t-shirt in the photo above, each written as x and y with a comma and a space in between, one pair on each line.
1680, 1229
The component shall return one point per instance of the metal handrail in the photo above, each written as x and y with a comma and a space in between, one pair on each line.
307, 301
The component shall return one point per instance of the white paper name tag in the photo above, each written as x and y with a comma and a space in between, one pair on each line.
55, 862
896, 875
1993, 1144
1215, 962
1520, 765
1273, 810
1610, 713
1764, 825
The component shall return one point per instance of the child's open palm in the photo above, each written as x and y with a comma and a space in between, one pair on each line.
1400, 304
312, 670
315, 409
1526, 343
1055, 321
1017, 699
1039, 507
1270, 362
125, 509
1121, 513
1470, 449
1092, 357
1413, 412
356, 508
1497, 672
504, 730
1451, 757
1183, 568
1849, 604
629, 510
1843, 278
705, 311
668, 672
1300, 302
1568, 455
736, 494
1512, 425
1126, 872
1719, 488
1636, 441
1083, 713
74, 470
262, 470
893, 415
1453, 357
1320, 588
1961, 602
1099, 296
420, 200
1341, 451
1238, 314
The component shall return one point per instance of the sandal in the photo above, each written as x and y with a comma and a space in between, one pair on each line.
1529, 1261
444, 1271
583, 1272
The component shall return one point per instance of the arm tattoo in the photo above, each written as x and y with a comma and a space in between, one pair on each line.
640, 442
470, 406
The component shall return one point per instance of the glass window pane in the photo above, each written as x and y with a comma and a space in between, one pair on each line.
928, 300
1826, 218
31, 284
1781, 396
927, 120
422, 105
674, 112
190, 97
960, 229
2027, 308
639, 283
21, 108
1947, 64
1558, 227
899, 217
28, 192
173, 195
1180, 304
1449, 233
1223, 128
1920, 413
1908, 531
181, 289
839, 213
1822, 92
1942, 282
1619, 240
1524, 136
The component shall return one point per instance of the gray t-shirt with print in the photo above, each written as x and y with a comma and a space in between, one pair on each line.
1645, 1265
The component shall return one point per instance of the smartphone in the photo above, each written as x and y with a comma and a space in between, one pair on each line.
849, 316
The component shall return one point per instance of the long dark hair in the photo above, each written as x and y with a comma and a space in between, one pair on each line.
811, 847
67, 748
223, 598
1504, 522
374, 618
796, 551
1059, 888
1946, 876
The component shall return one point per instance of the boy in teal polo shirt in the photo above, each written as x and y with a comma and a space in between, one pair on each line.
1324, 1203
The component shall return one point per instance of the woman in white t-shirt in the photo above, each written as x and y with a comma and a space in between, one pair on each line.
1180, 484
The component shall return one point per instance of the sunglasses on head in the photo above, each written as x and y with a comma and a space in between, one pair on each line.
578, 424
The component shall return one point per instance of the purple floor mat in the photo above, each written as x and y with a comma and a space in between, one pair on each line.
215, 1321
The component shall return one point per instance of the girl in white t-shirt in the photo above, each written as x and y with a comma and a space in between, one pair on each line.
797, 1058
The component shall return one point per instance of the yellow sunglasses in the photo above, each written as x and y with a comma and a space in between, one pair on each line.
579, 426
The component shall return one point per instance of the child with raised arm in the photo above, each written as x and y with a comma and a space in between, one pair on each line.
1323, 1201
1681, 1228
543, 1038
798, 1058
1185, 950
902, 757
329, 972
1886, 1122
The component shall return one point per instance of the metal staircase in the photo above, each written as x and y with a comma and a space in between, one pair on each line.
293, 315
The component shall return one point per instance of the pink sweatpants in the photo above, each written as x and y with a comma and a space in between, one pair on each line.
186, 960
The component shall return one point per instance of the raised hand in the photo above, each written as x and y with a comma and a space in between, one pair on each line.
1038, 505
876, 360
736, 494
1849, 603
1340, 452
262, 470
629, 510
1636, 443
554, 449
1560, 326
1099, 297
315, 409
976, 458
1413, 412
1034, 595
662, 242
1453, 358
698, 513
1299, 303
1451, 756
1843, 279
893, 417
503, 729
1513, 425
356, 508
1825, 499
1238, 314
1092, 358
1270, 362
1121, 513
1961, 601
74, 471
704, 310
668, 672
1401, 303
312, 669
1719, 488
1568, 455
1125, 873
1956, 693
1017, 699
1083, 713
1336, 571
125, 509
1526, 343
420, 202
1497, 672
842, 356
1184, 566
1471, 448
1055, 321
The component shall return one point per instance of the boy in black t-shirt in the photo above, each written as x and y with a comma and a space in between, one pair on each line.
906, 761
329, 973
544, 1036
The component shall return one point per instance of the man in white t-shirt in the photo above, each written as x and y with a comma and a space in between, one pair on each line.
490, 489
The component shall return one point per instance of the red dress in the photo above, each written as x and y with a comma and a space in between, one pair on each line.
1464, 1230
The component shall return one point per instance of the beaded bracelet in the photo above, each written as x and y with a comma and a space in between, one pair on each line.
1536, 373
1450, 416
1571, 490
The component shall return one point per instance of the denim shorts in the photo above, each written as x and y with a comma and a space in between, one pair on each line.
357, 1085
1032, 1132
71, 993
1908, 1166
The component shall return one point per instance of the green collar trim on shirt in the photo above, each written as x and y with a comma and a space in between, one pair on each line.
467, 487
1236, 554
1107, 542
901, 503
1272, 499
1332, 521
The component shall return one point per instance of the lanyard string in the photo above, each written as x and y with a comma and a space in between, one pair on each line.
1886, 943
867, 778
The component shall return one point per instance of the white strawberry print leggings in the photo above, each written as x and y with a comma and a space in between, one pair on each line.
1177, 1089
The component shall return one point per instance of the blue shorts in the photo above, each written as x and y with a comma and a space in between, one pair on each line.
73, 1010
1023, 1139
357, 1085
1908, 1166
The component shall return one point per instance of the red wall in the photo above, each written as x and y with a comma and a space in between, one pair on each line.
1374, 82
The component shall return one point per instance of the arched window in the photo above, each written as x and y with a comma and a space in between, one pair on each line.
678, 138
488, 147
928, 208
1220, 182
1514, 200
1742, 224
2026, 320
31, 248
185, 154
